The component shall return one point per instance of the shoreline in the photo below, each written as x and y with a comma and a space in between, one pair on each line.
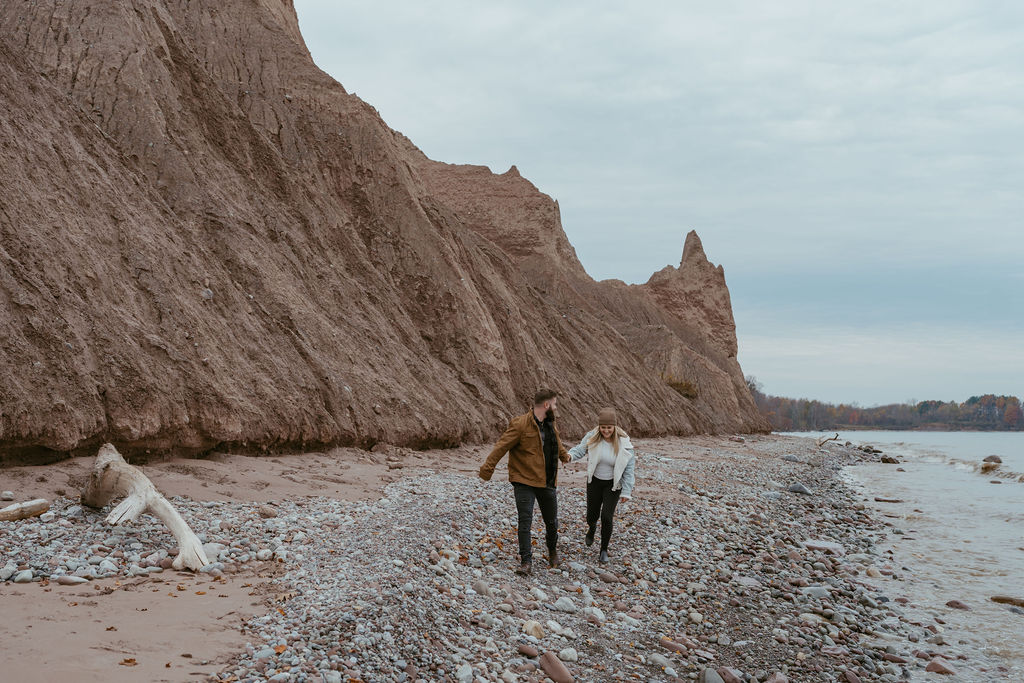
900, 429
407, 559
954, 536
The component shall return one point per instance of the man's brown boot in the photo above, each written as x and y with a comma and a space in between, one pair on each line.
525, 569
553, 558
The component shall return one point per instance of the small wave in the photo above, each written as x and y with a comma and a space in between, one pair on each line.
990, 470
993, 470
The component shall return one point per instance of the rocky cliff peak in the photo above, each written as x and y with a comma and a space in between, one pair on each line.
697, 294
693, 251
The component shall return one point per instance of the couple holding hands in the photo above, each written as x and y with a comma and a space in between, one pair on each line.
534, 451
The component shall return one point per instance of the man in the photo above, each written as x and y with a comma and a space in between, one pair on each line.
534, 449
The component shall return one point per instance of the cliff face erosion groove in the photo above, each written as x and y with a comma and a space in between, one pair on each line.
206, 242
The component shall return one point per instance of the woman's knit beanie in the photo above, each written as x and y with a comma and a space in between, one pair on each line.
606, 417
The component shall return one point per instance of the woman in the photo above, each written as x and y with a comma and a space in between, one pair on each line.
609, 474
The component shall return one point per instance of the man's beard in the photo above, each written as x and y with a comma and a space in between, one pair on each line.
549, 416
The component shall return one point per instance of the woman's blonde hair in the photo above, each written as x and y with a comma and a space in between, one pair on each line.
596, 438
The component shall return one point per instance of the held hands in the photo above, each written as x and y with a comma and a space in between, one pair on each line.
565, 458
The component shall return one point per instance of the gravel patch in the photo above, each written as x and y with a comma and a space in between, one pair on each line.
711, 578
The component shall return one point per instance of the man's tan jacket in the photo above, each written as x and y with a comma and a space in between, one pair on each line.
525, 455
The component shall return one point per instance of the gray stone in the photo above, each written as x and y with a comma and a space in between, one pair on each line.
264, 555
48, 516
7, 572
7, 495
108, 567
23, 576
659, 660
868, 601
464, 674
569, 655
789, 457
626, 619
71, 580
818, 592
797, 488
710, 676
565, 604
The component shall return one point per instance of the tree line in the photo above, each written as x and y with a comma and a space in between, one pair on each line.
981, 413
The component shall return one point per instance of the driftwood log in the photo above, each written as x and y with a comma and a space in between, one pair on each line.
825, 441
30, 508
112, 477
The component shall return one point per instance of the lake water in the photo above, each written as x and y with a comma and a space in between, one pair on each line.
963, 535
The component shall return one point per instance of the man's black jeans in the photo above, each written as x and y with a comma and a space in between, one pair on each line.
547, 499
601, 502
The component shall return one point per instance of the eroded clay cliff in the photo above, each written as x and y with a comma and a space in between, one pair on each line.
205, 242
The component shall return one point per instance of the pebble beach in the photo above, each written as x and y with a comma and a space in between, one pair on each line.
738, 559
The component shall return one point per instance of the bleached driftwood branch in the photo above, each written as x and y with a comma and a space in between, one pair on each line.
112, 476
30, 508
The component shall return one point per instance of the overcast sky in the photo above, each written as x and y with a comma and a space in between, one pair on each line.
857, 168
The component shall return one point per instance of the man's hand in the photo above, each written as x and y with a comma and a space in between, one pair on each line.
486, 476
565, 458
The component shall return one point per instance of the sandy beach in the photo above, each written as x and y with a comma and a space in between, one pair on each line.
398, 565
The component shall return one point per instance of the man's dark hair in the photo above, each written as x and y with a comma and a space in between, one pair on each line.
544, 395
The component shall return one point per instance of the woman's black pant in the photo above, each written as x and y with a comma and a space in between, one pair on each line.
601, 502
